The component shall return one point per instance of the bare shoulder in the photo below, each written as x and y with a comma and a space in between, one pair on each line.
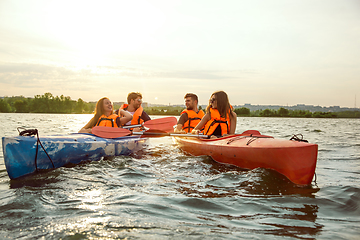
233, 114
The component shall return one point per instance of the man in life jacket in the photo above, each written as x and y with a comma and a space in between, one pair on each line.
134, 107
190, 116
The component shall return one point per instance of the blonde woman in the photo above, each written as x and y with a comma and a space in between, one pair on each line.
104, 116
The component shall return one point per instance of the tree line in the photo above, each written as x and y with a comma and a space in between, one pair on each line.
283, 112
49, 103
245, 112
46, 103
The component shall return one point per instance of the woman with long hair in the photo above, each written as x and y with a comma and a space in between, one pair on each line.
219, 119
104, 116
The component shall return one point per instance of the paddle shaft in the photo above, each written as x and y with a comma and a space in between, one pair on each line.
165, 124
160, 134
132, 126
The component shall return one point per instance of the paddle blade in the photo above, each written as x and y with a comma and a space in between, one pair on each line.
110, 132
165, 124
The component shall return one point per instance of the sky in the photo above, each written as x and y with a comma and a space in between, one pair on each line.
276, 52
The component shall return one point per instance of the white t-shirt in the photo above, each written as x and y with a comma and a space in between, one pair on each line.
129, 122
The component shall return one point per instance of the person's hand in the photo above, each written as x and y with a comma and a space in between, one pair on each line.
85, 130
195, 131
180, 132
137, 129
227, 134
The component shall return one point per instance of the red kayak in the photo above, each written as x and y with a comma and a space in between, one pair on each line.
295, 159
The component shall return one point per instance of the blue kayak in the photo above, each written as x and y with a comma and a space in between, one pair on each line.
24, 155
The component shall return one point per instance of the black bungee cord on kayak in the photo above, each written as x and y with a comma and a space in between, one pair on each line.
297, 138
252, 138
31, 132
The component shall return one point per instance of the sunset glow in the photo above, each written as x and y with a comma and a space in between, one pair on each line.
265, 53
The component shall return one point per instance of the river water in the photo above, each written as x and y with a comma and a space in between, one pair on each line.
162, 193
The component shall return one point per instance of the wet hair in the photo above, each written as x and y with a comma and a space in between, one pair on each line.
133, 95
222, 101
192, 96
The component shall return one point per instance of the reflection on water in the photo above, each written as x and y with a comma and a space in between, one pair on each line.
162, 193
307, 213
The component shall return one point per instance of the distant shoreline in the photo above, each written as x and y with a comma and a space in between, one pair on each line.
355, 116
48, 103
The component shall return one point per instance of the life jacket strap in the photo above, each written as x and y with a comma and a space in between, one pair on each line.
189, 127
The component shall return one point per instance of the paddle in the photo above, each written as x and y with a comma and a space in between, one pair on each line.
110, 132
163, 134
132, 126
162, 125
165, 124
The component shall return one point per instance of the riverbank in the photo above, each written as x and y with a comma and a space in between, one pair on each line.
48, 103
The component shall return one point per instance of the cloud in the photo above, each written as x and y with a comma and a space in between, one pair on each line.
29, 74
25, 75
262, 52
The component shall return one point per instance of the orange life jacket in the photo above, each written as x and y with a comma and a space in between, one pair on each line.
193, 119
136, 116
107, 121
215, 121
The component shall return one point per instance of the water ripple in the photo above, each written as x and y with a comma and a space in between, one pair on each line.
163, 193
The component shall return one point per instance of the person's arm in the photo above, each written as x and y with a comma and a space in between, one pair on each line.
87, 128
125, 116
201, 124
183, 118
233, 119
144, 116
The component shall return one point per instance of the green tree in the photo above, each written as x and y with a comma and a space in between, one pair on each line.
69, 104
168, 110
349, 114
62, 107
80, 106
300, 113
324, 115
21, 106
255, 113
242, 111
4, 106
308, 114
283, 112
43, 103
90, 107
267, 113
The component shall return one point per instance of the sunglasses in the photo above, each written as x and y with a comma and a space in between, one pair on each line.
212, 100
139, 100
